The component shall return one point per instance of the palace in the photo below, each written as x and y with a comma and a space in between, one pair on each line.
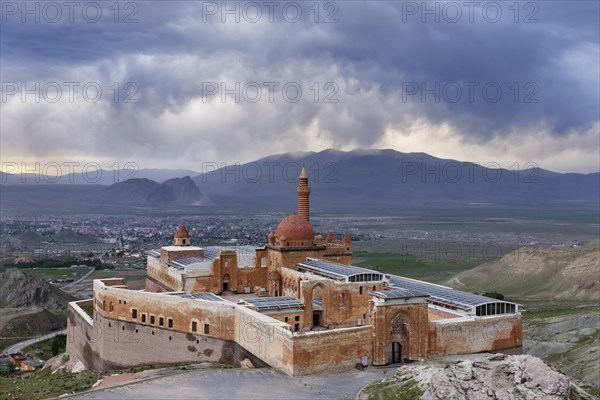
296, 304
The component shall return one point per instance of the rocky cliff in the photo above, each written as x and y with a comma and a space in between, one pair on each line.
495, 376
18, 289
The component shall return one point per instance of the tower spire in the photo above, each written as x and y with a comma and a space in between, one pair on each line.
304, 195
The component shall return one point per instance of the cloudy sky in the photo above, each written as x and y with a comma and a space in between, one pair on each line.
174, 84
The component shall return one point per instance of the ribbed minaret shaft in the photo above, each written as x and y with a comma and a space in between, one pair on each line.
304, 196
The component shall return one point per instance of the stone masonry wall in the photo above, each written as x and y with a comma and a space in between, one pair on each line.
485, 334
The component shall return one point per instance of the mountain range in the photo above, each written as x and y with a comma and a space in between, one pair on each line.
358, 180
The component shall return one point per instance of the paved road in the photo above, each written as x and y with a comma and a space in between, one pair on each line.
245, 384
21, 345
79, 280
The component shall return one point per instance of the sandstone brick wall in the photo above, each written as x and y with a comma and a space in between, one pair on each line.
111, 344
331, 350
437, 314
264, 337
406, 324
463, 335
163, 275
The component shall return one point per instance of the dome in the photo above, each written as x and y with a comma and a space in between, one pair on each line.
295, 227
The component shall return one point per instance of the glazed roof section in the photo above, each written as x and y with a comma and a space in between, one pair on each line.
200, 296
245, 257
275, 303
443, 294
398, 293
399, 287
154, 253
340, 272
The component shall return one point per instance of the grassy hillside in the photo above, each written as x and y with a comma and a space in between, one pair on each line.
538, 273
410, 266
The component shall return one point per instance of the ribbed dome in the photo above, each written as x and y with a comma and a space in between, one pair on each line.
295, 227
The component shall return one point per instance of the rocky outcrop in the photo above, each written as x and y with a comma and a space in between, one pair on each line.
18, 289
64, 362
176, 191
496, 376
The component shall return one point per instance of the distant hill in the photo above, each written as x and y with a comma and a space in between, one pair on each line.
538, 273
176, 191
18, 289
132, 190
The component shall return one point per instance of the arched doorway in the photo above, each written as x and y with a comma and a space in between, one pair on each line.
226, 282
394, 353
317, 305
274, 283
399, 339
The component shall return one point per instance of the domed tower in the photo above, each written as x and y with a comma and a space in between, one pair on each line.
304, 196
182, 237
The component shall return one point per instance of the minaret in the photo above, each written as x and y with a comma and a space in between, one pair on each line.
303, 196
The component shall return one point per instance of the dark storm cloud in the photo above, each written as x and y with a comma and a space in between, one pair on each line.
376, 52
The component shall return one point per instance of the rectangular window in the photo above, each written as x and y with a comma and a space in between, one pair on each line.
134, 313
143, 318
194, 326
286, 319
206, 329
161, 321
297, 318
170, 322
152, 320
296, 327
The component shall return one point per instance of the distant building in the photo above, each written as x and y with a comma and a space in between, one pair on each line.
296, 304
17, 358
31, 364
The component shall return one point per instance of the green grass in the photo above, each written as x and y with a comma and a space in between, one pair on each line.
131, 278
43, 349
89, 310
539, 309
411, 266
393, 390
221, 366
58, 263
42, 384
52, 273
